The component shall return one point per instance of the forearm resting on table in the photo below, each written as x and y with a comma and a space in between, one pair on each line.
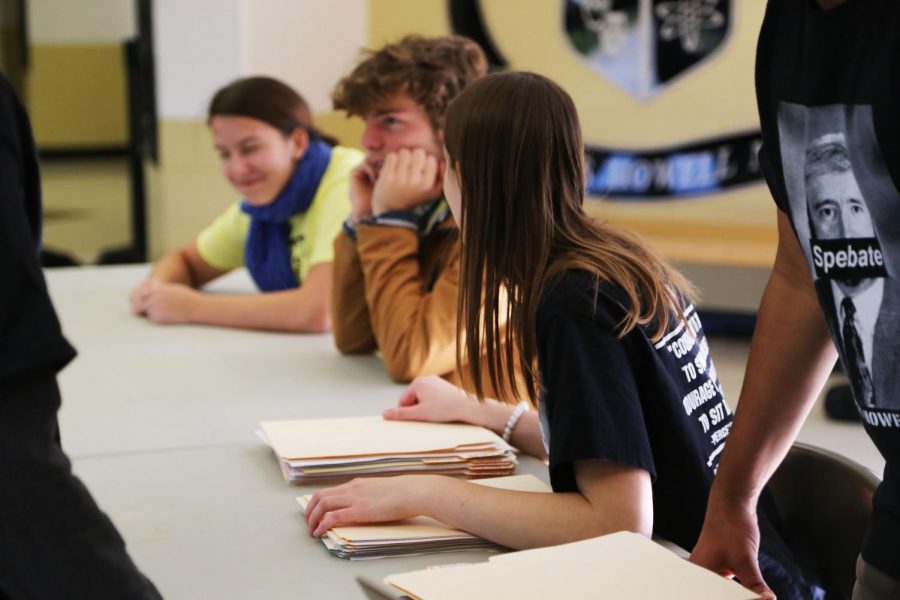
619, 500
185, 266
173, 268
494, 415
304, 309
288, 310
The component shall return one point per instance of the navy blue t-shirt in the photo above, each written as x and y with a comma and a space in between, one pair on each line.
30, 335
657, 406
828, 89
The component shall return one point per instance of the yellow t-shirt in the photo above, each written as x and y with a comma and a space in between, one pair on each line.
312, 233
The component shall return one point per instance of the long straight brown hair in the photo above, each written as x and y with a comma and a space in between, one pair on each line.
515, 143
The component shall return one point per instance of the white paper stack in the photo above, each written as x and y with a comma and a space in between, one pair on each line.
326, 450
421, 535
624, 566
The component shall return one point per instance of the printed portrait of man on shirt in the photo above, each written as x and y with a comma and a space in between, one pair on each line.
839, 193
846, 256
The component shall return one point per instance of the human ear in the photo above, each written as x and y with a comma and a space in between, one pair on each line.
300, 138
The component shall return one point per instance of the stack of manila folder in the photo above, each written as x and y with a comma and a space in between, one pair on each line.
420, 535
624, 566
324, 450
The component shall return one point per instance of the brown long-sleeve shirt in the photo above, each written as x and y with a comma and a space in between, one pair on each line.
397, 293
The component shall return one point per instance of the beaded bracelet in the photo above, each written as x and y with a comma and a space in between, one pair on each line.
514, 419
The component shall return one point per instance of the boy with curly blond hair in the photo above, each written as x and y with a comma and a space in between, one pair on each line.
396, 263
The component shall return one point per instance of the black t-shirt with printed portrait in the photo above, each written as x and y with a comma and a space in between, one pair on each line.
828, 88
656, 406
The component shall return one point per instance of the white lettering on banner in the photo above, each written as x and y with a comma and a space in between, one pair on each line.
725, 167
675, 173
881, 419
753, 163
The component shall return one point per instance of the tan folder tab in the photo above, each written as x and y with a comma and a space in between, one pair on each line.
366, 436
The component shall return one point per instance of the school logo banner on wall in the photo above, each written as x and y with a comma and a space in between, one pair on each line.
641, 45
649, 73
698, 168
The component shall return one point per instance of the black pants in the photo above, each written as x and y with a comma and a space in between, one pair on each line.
54, 540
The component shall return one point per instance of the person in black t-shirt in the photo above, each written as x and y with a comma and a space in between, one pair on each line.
631, 410
54, 541
828, 90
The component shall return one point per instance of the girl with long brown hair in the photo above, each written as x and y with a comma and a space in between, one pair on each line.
608, 343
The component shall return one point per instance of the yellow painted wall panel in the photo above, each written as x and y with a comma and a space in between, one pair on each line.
186, 191
348, 131
76, 95
392, 19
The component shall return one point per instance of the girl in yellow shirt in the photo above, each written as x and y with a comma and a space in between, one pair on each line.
294, 183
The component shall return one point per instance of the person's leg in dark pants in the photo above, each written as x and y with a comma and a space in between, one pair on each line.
54, 540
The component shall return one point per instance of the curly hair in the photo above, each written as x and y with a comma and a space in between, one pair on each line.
432, 71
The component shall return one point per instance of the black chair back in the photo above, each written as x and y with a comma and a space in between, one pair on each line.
824, 501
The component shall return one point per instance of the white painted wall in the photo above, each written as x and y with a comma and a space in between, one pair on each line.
201, 45
80, 21
309, 44
198, 50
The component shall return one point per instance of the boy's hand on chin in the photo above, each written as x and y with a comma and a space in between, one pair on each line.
407, 178
361, 188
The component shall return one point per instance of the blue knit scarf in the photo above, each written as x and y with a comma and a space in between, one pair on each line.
267, 252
